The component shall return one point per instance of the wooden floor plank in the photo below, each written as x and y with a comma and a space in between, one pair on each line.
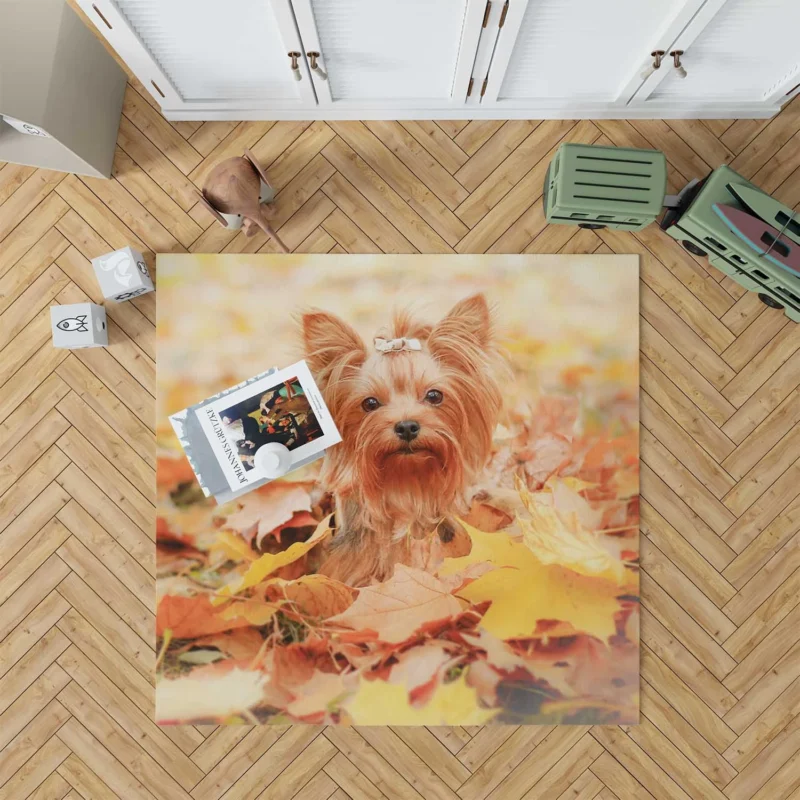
686, 737
86, 638
100, 765
137, 724
409, 206
111, 518
28, 668
159, 131
32, 191
427, 169
437, 143
12, 176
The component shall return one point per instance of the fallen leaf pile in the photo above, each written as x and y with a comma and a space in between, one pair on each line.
528, 615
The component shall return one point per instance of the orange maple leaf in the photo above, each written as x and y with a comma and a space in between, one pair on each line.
190, 617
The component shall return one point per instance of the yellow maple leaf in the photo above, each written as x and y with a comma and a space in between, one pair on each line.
381, 703
233, 547
557, 534
262, 568
255, 612
552, 542
496, 548
523, 590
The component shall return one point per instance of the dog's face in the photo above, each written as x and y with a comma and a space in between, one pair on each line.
416, 421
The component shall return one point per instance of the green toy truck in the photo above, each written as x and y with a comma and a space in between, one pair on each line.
701, 231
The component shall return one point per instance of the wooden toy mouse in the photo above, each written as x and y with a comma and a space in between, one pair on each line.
233, 189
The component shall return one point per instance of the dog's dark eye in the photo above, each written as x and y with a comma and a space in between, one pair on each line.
370, 404
434, 397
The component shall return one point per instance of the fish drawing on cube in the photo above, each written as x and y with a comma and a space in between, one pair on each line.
79, 325
122, 275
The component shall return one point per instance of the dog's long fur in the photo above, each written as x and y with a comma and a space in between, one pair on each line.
386, 489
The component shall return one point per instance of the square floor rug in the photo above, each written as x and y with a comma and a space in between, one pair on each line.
467, 554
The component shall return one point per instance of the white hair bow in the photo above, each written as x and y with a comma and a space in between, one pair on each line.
394, 345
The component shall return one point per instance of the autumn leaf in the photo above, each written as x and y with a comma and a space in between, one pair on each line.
267, 508
192, 698
176, 585
396, 608
292, 665
312, 595
550, 453
626, 483
458, 579
261, 569
171, 472
606, 454
298, 521
239, 643
190, 526
320, 695
190, 617
576, 484
552, 542
524, 590
498, 654
486, 517
381, 703
567, 499
556, 538
497, 549
256, 612
418, 666
233, 547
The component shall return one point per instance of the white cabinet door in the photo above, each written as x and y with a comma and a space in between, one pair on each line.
208, 54
391, 54
741, 51
578, 54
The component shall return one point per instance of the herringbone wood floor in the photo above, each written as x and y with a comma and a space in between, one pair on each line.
720, 471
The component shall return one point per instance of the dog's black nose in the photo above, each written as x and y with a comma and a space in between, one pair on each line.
407, 430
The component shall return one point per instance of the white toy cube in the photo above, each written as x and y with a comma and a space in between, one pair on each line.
79, 325
122, 274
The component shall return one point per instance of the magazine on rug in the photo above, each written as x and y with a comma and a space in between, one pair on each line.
280, 406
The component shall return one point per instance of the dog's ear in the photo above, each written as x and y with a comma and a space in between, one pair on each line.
464, 339
469, 321
330, 343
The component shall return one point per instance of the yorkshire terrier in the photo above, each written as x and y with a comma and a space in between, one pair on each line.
416, 408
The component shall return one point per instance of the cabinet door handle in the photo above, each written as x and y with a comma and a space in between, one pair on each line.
657, 56
296, 74
315, 68
676, 60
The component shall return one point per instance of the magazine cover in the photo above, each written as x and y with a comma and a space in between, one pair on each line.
284, 407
